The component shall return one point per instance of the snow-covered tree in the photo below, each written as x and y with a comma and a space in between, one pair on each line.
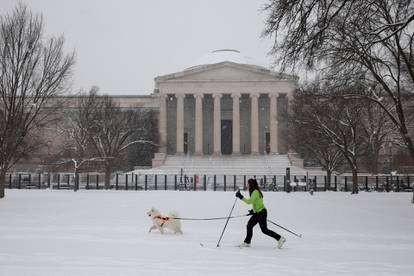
102, 132
330, 123
76, 150
142, 153
377, 131
32, 71
373, 39
308, 140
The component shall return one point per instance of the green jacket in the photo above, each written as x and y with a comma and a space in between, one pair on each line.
256, 200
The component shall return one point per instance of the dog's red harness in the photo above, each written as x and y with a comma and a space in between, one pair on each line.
163, 219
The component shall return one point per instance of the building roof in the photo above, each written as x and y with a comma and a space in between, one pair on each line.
223, 55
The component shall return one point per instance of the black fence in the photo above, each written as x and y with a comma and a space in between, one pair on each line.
146, 182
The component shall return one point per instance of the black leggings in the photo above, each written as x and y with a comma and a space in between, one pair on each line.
260, 218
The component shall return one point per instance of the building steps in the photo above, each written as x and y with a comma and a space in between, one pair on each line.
228, 165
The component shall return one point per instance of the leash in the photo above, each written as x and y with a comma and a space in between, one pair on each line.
217, 218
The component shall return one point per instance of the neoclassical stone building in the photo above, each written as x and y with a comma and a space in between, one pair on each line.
223, 104
224, 113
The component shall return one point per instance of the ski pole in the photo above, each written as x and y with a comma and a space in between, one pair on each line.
216, 218
228, 218
297, 235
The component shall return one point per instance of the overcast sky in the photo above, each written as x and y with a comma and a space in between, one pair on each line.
122, 45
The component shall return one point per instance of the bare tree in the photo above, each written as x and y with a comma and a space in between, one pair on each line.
376, 131
32, 71
142, 153
352, 38
308, 140
99, 134
111, 130
77, 149
339, 121
336, 121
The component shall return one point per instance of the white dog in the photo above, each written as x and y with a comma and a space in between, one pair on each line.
162, 222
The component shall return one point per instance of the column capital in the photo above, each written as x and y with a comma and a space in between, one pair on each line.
162, 96
273, 95
179, 96
217, 95
235, 95
198, 96
254, 95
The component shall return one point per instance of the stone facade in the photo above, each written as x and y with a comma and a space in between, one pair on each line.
224, 108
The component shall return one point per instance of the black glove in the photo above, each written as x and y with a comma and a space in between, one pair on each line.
239, 195
250, 212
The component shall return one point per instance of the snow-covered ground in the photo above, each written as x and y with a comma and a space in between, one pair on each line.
106, 233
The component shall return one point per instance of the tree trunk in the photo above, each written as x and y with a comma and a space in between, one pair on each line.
410, 146
354, 181
328, 179
76, 180
2, 183
374, 164
107, 176
403, 130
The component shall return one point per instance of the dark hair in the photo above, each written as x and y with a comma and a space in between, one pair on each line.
254, 186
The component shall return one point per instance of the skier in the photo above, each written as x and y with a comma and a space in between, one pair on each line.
259, 215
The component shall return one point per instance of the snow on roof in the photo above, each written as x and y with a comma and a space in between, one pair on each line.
222, 55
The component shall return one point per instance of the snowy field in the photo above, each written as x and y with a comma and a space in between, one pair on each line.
106, 233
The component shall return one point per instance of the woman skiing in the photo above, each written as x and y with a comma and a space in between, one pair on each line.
259, 215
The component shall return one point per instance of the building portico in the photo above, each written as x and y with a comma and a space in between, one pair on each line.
223, 108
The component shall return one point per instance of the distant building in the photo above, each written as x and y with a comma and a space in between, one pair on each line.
223, 104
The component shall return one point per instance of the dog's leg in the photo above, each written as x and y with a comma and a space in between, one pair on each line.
161, 229
177, 230
152, 228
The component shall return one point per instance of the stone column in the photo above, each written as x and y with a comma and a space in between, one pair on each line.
198, 124
254, 123
236, 123
162, 123
180, 123
273, 123
217, 124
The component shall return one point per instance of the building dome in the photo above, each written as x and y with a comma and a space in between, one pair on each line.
223, 55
